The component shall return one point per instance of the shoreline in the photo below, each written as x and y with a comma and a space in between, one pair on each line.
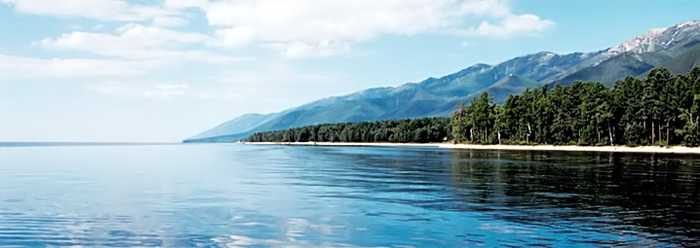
563, 148
350, 144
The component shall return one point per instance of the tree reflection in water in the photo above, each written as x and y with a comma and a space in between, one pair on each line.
605, 192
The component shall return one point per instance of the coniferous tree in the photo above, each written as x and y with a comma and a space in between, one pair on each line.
659, 109
653, 106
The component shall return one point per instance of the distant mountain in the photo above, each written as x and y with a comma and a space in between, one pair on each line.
677, 48
243, 123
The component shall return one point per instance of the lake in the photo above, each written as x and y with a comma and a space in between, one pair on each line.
311, 196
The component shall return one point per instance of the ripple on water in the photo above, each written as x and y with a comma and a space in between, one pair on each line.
262, 196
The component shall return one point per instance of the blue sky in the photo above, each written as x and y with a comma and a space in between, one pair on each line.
163, 70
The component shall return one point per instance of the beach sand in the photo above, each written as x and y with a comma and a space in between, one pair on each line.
640, 149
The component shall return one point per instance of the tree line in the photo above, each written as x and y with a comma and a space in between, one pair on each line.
425, 130
660, 109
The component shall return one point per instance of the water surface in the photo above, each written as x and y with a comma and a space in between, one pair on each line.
281, 196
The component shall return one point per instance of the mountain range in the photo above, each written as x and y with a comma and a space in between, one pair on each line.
676, 48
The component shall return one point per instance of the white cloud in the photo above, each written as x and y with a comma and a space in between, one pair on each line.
480, 8
169, 21
115, 10
297, 49
234, 37
328, 27
138, 42
305, 26
15, 66
511, 26
181, 4
142, 90
295, 28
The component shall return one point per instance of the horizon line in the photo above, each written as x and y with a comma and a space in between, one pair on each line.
79, 143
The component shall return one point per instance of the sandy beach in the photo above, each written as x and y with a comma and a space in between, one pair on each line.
640, 149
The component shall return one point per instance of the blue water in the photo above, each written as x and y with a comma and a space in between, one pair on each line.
290, 196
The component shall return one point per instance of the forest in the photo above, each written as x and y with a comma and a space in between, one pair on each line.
433, 129
660, 109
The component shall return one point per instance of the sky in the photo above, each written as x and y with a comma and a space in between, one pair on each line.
165, 70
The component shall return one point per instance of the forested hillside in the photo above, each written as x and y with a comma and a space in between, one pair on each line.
659, 109
436, 129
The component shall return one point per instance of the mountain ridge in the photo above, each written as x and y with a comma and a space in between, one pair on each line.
674, 46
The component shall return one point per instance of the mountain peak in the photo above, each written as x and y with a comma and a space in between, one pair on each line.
647, 42
690, 23
658, 39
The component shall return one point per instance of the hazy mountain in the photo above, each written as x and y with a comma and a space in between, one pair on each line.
243, 123
677, 48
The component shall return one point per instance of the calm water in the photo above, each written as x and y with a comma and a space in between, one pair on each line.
280, 196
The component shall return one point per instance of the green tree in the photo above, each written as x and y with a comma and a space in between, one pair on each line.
653, 106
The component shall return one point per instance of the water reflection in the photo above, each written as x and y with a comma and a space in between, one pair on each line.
277, 196
611, 193
626, 198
